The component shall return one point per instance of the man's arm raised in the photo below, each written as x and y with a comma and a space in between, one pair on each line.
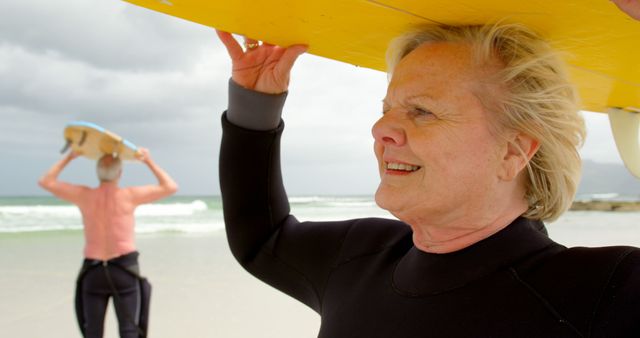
66, 191
146, 194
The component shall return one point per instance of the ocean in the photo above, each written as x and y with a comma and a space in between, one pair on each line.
180, 214
203, 215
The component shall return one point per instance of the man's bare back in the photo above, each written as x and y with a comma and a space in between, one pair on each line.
108, 217
108, 210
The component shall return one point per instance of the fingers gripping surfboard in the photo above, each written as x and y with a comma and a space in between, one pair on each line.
600, 43
93, 141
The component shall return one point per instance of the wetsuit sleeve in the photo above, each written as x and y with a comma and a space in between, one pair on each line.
294, 257
254, 110
619, 311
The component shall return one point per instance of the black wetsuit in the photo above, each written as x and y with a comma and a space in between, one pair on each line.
366, 278
118, 278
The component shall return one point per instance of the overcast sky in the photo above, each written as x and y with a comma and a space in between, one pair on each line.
161, 82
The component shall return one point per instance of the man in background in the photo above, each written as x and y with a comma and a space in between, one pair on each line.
110, 267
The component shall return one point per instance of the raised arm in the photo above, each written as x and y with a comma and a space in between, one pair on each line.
267, 241
66, 191
146, 194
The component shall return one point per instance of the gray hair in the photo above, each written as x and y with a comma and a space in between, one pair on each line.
109, 168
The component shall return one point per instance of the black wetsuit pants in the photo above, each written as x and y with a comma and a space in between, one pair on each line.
100, 280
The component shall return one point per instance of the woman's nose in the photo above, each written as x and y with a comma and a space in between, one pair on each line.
389, 131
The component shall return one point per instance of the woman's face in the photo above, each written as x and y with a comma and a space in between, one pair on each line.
437, 157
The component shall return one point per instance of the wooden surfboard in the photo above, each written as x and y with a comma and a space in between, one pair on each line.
93, 141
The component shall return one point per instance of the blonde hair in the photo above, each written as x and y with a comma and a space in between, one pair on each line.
536, 98
109, 168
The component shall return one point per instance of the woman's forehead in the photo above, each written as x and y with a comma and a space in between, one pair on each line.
436, 70
433, 70
453, 54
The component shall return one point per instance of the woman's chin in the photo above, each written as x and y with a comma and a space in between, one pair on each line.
400, 205
386, 200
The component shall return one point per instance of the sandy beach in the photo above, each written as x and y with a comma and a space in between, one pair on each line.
198, 290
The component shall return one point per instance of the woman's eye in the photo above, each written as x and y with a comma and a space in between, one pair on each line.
419, 112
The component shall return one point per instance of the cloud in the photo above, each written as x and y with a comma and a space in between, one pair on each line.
107, 34
51, 84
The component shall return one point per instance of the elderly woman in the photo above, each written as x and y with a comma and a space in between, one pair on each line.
476, 147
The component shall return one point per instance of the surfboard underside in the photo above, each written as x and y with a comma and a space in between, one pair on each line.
600, 43
93, 141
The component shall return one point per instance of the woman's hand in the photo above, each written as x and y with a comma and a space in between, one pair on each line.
631, 7
261, 67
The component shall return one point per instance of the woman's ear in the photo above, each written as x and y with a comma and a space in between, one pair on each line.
519, 151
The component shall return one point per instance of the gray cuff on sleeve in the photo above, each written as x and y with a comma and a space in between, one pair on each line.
250, 109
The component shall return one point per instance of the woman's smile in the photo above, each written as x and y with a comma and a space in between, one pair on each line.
399, 168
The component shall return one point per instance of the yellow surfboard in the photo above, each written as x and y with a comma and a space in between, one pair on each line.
601, 43
93, 141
